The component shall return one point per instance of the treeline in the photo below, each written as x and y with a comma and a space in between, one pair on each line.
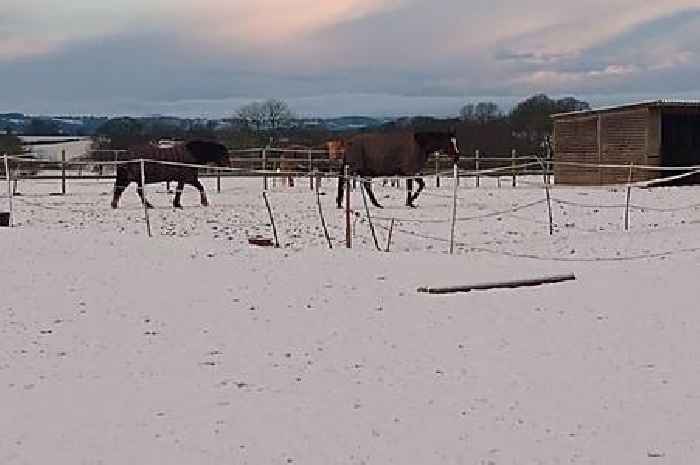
485, 127
480, 126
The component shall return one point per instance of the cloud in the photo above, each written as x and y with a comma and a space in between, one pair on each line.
117, 53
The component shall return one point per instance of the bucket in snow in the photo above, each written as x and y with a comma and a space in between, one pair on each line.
4, 218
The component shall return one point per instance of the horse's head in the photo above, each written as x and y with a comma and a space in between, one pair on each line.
433, 141
207, 152
336, 149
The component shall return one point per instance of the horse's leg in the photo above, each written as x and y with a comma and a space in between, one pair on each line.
202, 193
372, 198
120, 184
178, 194
421, 185
409, 192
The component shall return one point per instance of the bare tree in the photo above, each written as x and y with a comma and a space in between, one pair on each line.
487, 111
468, 112
253, 115
482, 112
277, 113
270, 114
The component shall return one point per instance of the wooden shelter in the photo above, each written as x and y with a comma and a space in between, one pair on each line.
657, 133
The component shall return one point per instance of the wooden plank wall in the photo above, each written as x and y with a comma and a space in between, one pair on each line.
576, 140
624, 140
626, 136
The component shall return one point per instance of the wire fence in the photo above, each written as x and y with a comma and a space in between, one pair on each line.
522, 169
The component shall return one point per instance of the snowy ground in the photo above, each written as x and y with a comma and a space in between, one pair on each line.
193, 347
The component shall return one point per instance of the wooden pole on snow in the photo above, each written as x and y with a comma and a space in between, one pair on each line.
629, 195
323, 220
454, 209
9, 191
143, 198
369, 217
348, 227
272, 219
63, 172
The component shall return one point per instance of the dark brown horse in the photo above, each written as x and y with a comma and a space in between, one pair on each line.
196, 152
394, 154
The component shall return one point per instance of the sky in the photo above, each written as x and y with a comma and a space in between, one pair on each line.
340, 57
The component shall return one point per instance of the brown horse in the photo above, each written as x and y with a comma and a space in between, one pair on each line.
196, 152
394, 154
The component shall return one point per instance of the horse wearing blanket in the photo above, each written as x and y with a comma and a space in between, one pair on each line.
196, 152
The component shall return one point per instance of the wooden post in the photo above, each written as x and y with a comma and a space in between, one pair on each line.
264, 167
311, 169
548, 153
388, 240
218, 181
348, 228
437, 170
629, 195
63, 172
454, 211
9, 191
369, 217
499, 285
143, 194
476, 161
549, 197
272, 219
513, 155
323, 220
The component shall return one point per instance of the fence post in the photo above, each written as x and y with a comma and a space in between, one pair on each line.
272, 220
548, 154
629, 195
476, 154
348, 227
218, 181
63, 172
388, 240
437, 170
369, 216
311, 169
143, 198
454, 209
9, 191
323, 220
548, 195
513, 155
264, 167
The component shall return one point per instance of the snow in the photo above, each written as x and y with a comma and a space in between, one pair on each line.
193, 347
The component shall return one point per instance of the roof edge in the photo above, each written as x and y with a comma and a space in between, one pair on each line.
629, 106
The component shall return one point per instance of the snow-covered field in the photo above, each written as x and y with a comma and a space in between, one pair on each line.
193, 347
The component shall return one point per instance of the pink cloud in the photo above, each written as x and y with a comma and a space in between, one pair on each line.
15, 48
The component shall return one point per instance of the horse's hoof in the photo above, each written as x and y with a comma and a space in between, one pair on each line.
205, 204
411, 205
114, 206
179, 207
